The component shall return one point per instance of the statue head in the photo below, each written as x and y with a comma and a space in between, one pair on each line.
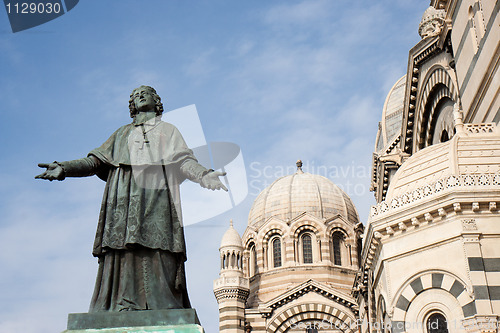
158, 103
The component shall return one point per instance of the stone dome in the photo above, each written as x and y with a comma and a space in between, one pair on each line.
392, 115
292, 195
475, 153
231, 238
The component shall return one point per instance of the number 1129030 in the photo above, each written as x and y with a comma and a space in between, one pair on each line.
33, 8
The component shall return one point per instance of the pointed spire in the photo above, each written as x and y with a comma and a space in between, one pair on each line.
299, 166
231, 223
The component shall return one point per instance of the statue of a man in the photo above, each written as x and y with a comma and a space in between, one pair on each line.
140, 240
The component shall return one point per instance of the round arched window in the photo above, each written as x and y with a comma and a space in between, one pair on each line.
337, 241
307, 249
276, 246
436, 323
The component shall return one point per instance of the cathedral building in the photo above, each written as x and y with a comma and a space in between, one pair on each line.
428, 258
295, 265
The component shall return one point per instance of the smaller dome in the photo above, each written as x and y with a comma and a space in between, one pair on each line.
231, 238
432, 22
392, 116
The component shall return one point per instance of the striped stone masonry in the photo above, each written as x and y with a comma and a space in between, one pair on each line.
434, 280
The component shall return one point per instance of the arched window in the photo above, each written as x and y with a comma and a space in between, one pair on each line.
233, 260
444, 136
360, 250
307, 254
276, 245
252, 263
436, 323
337, 241
442, 123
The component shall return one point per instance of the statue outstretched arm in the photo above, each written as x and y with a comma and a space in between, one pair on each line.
82, 167
199, 174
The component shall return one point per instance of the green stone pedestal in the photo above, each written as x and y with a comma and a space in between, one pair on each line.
148, 321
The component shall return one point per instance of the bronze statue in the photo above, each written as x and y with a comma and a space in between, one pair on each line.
140, 240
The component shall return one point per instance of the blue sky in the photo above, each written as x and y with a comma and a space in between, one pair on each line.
282, 79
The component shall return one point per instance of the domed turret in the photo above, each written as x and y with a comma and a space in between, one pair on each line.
231, 238
231, 288
301, 192
231, 253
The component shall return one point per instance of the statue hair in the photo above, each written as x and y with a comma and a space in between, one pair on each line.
156, 97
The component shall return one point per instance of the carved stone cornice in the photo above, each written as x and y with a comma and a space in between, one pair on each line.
464, 182
307, 287
231, 293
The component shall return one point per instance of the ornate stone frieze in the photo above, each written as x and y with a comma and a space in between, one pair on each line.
480, 128
424, 192
228, 293
469, 224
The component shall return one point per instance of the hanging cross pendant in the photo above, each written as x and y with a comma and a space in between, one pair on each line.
146, 141
140, 144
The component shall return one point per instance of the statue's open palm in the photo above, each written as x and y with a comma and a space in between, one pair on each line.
211, 181
54, 172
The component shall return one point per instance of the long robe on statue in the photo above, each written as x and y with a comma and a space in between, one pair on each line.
140, 238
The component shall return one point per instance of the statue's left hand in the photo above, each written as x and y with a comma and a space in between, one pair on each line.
211, 181
54, 171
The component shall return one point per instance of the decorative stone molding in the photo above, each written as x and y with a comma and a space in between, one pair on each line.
432, 22
268, 309
424, 192
318, 290
270, 232
298, 230
482, 323
331, 318
442, 212
426, 54
231, 293
469, 224
480, 128
415, 222
471, 238
428, 217
265, 312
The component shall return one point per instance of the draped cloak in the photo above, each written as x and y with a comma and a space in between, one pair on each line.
140, 238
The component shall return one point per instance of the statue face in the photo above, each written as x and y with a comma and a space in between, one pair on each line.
143, 99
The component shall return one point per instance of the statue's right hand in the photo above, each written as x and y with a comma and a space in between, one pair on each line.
54, 171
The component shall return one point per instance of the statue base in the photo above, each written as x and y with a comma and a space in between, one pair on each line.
147, 321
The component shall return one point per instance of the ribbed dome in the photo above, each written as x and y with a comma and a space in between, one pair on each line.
392, 115
465, 154
301, 192
231, 238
